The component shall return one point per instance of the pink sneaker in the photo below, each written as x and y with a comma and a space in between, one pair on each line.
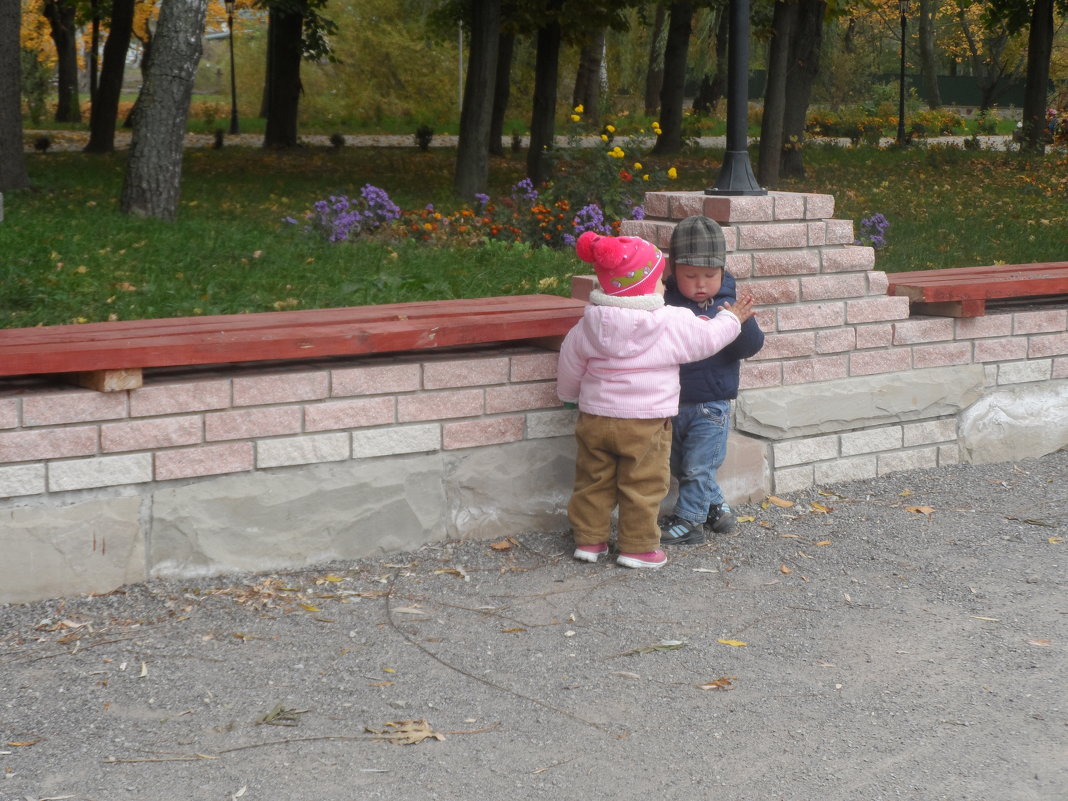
591, 553
652, 559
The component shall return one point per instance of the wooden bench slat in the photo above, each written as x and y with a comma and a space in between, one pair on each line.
963, 291
355, 315
299, 336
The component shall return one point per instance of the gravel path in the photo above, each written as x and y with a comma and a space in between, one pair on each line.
75, 140
899, 638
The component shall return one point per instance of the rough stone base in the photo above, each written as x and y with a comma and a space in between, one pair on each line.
1009, 424
80, 548
286, 518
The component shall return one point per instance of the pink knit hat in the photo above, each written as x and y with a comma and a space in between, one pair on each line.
625, 265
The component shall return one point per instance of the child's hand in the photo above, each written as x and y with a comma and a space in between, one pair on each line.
742, 308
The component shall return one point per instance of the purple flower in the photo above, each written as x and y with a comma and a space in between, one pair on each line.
339, 217
525, 190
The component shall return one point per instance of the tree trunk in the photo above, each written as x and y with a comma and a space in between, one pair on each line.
94, 50
929, 55
805, 45
472, 151
1039, 52
543, 114
146, 61
60, 18
12, 159
105, 110
654, 77
502, 89
714, 86
673, 92
154, 171
265, 98
588, 80
283, 81
769, 159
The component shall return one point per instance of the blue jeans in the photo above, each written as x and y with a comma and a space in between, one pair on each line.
698, 448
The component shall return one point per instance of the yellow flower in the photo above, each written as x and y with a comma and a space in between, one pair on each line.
616, 152
645, 177
637, 165
604, 137
579, 109
575, 118
672, 173
610, 128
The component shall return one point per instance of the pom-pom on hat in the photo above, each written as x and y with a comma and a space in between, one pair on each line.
625, 265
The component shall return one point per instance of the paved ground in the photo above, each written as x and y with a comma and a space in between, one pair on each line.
75, 140
899, 638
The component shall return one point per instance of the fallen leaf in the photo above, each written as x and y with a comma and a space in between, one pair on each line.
905, 493
389, 670
734, 643
923, 510
503, 545
512, 631
239, 793
780, 502
410, 610
803, 555
663, 645
453, 571
705, 570
745, 519
1032, 522
821, 543
1039, 643
722, 683
407, 732
144, 670
789, 536
784, 569
329, 577
819, 507
1054, 540
280, 716
991, 619
310, 608
22, 743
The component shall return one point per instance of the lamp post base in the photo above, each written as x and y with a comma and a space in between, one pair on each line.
736, 176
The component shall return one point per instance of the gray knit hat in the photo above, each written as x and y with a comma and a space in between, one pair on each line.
698, 241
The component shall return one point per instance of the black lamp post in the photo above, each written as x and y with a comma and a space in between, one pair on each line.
235, 126
903, 6
736, 175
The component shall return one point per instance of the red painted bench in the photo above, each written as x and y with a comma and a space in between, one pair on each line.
111, 355
964, 291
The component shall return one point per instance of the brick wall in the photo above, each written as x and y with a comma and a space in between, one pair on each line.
194, 423
835, 342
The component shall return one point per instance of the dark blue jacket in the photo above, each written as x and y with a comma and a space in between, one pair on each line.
715, 378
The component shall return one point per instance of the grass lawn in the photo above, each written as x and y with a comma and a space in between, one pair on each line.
67, 254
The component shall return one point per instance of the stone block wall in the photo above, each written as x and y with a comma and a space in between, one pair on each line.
848, 385
261, 467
